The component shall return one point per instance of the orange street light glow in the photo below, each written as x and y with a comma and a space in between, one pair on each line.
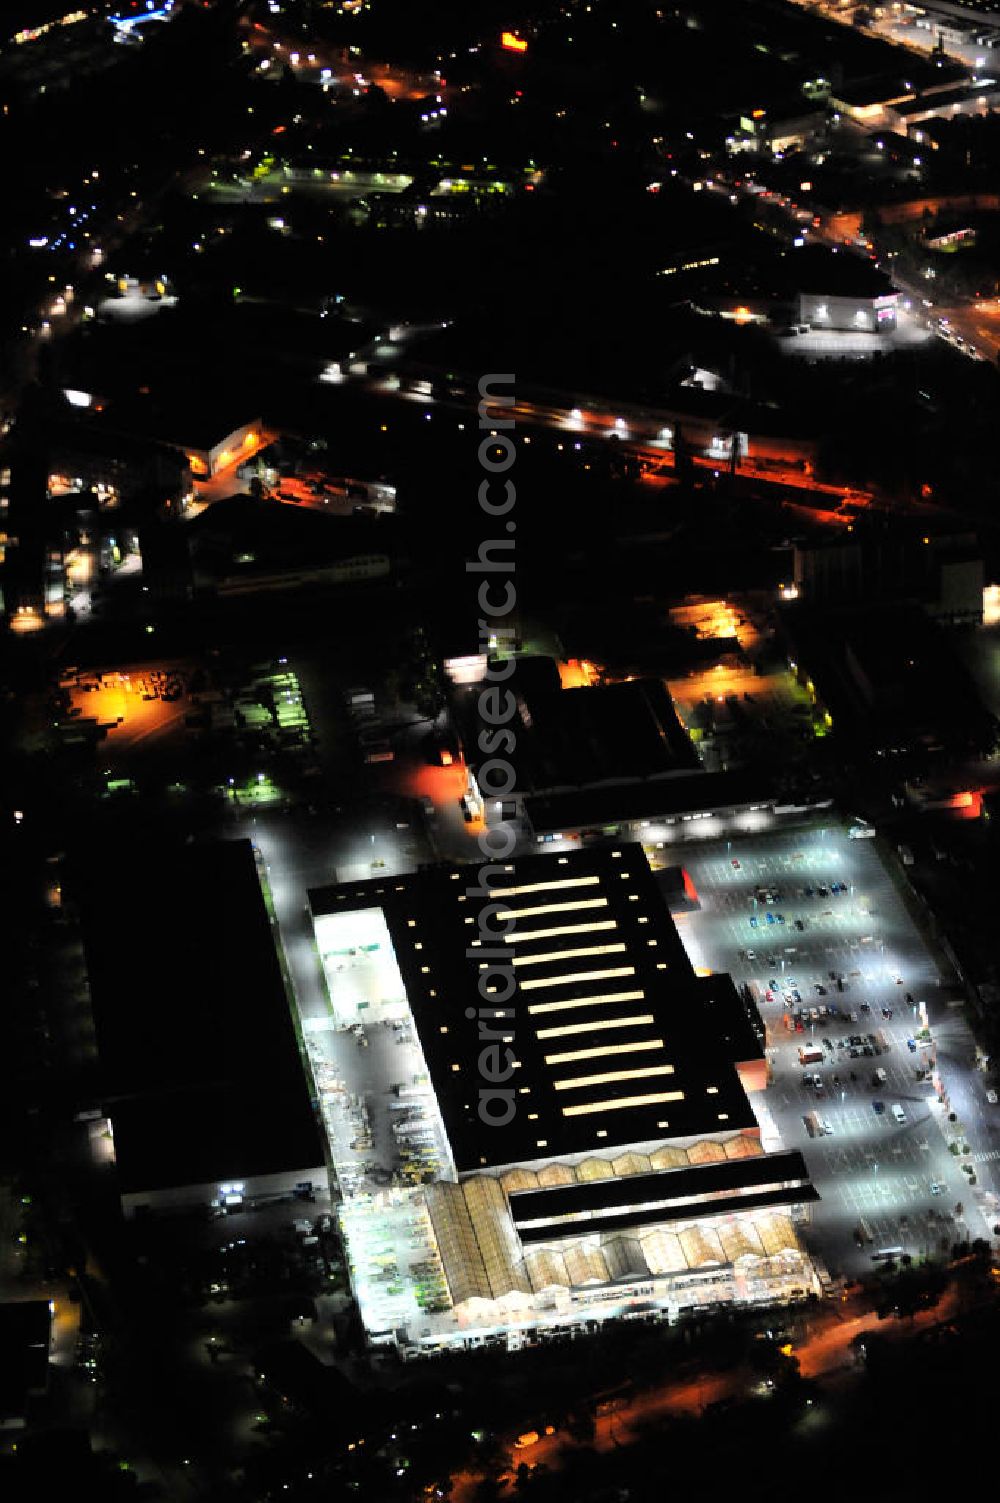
512, 42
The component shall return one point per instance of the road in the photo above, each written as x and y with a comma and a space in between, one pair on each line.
341, 66
976, 321
827, 1349
648, 437
269, 187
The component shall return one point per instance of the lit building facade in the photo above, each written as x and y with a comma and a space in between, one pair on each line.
579, 1138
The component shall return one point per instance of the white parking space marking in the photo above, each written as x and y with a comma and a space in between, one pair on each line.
867, 1163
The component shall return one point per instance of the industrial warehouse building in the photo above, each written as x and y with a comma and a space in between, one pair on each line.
208, 450
665, 812
595, 1147
889, 678
841, 292
586, 736
202, 1080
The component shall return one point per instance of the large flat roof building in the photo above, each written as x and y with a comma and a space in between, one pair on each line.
622, 1159
841, 292
598, 963
202, 1078
625, 807
585, 736
889, 678
25, 1328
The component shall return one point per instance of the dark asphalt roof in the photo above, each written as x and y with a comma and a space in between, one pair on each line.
961, 94
706, 1205
819, 269
24, 1353
200, 1065
726, 1176
616, 803
604, 1036
569, 738
889, 675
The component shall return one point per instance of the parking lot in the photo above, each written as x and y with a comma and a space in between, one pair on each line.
841, 344
136, 705
873, 1173
790, 914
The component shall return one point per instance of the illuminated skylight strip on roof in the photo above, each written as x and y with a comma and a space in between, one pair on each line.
609, 1076
570, 907
551, 956
636, 996
559, 882
601, 1051
531, 934
621, 970
588, 1108
640, 1020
